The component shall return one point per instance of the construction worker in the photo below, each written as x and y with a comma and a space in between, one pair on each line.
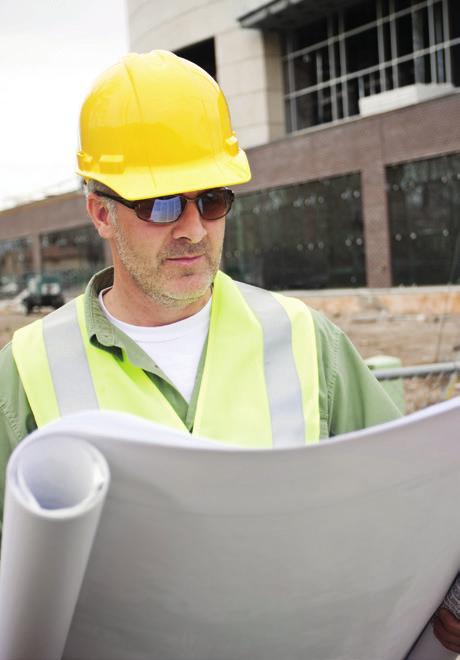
163, 333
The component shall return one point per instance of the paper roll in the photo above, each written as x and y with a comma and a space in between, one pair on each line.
55, 492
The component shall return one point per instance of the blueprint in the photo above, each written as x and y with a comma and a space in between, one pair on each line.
124, 540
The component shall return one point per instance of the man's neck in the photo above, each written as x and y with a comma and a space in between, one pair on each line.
135, 307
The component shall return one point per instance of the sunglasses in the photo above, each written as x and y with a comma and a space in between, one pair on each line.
211, 204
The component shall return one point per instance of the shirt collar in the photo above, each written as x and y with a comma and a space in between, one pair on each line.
100, 330
104, 335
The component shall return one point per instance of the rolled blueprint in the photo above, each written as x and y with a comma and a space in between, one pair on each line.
336, 551
429, 648
54, 496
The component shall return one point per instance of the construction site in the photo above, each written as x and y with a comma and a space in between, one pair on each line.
413, 327
230, 332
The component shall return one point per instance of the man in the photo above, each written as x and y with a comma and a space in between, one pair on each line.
164, 334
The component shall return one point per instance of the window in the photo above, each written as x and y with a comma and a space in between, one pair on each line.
360, 14
424, 206
203, 54
365, 49
308, 235
362, 50
73, 254
15, 264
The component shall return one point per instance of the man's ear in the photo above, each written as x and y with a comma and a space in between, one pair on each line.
99, 214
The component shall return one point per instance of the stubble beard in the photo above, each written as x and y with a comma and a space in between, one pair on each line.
153, 278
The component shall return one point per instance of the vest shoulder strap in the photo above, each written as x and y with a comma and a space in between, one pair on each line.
42, 352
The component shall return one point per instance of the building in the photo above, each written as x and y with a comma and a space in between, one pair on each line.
53, 235
350, 113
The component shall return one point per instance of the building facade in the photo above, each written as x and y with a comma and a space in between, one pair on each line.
53, 236
350, 114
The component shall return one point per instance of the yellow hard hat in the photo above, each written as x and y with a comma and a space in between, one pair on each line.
156, 124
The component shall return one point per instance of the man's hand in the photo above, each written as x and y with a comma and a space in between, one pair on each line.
446, 628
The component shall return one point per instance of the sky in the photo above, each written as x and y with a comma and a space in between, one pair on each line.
50, 53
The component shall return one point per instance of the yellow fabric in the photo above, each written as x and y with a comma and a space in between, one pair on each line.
35, 373
306, 359
123, 387
156, 124
232, 403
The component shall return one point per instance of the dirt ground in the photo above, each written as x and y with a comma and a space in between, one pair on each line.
415, 339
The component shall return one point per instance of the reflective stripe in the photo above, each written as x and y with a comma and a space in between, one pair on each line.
282, 381
70, 373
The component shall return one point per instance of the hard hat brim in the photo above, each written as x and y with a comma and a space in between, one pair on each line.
143, 183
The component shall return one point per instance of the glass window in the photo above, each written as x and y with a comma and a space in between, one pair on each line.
424, 206
385, 7
438, 23
440, 66
339, 66
15, 265
388, 73
324, 105
368, 84
420, 34
369, 55
306, 109
307, 35
454, 19
406, 75
353, 96
404, 35
308, 235
323, 72
402, 4
287, 113
455, 56
333, 25
360, 14
422, 69
362, 50
311, 68
337, 91
203, 54
305, 71
387, 41
73, 254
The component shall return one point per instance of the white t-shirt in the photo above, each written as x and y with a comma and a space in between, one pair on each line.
175, 348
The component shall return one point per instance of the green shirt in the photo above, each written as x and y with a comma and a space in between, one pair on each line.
350, 397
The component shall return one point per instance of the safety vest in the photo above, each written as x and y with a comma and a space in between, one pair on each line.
259, 386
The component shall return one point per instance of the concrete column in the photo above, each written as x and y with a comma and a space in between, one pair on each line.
249, 71
37, 262
376, 225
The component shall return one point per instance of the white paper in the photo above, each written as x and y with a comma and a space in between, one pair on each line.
54, 497
339, 551
429, 648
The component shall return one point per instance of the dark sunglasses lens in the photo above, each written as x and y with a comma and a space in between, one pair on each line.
214, 204
161, 210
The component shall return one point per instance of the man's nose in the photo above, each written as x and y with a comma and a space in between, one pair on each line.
190, 225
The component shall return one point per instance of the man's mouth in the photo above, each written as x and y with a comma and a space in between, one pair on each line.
186, 259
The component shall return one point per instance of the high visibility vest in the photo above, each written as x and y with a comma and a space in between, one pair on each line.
259, 386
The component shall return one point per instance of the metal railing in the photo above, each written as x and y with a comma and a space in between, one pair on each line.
418, 371
416, 387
